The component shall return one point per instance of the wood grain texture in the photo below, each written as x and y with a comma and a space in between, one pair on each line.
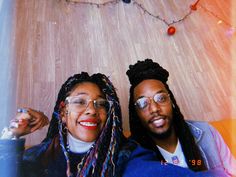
55, 39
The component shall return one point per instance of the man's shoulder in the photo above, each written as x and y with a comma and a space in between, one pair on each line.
129, 145
199, 129
132, 149
198, 124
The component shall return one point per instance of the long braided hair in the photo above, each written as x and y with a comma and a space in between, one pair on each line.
100, 159
148, 69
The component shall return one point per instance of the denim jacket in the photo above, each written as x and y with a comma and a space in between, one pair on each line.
212, 146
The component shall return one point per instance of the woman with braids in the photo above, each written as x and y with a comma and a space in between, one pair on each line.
85, 132
85, 138
157, 123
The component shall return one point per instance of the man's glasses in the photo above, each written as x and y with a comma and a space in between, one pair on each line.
159, 98
79, 104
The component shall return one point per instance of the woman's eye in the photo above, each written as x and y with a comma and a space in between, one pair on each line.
101, 103
80, 102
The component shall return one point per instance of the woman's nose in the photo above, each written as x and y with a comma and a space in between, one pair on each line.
90, 109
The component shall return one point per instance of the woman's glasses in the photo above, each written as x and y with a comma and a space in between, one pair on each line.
159, 98
80, 103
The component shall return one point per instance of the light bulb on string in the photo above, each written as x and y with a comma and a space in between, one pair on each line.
194, 6
126, 1
171, 30
219, 22
230, 32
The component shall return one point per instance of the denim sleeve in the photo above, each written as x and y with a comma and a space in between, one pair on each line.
11, 152
226, 156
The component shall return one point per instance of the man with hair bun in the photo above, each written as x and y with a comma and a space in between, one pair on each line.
157, 123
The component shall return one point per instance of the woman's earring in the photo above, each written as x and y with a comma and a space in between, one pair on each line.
64, 129
173, 106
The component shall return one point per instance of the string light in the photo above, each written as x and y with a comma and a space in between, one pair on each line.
216, 16
160, 18
230, 31
92, 3
171, 28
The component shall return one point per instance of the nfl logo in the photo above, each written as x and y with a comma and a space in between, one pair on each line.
175, 160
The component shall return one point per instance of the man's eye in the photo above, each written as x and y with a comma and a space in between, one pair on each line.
142, 103
160, 98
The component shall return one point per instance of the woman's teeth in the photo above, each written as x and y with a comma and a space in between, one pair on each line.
88, 124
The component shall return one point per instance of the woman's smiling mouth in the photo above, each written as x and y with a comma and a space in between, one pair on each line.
89, 124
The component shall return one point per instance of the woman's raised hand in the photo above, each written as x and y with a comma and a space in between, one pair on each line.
27, 121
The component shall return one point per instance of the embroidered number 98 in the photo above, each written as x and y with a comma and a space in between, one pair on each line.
196, 162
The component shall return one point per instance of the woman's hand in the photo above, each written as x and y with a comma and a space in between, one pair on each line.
27, 122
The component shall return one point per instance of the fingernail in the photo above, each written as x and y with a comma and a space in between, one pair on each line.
22, 110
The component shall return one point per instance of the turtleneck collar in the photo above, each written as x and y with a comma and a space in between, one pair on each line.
78, 146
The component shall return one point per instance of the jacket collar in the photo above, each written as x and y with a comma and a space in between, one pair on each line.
196, 131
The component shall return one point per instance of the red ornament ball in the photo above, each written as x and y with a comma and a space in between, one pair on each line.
171, 30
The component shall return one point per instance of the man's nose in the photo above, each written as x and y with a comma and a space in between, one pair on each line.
153, 106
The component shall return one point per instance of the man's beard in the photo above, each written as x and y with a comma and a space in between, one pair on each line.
163, 135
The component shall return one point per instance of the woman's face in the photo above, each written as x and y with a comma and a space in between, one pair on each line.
85, 113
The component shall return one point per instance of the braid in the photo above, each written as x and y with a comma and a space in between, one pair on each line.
190, 148
102, 158
148, 69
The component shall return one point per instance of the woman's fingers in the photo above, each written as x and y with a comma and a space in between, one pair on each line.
35, 127
38, 119
21, 128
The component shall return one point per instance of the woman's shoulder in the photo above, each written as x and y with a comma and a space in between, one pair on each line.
36, 159
33, 153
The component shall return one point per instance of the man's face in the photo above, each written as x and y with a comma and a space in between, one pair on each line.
154, 107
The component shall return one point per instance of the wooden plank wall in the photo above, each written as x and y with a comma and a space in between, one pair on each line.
55, 39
